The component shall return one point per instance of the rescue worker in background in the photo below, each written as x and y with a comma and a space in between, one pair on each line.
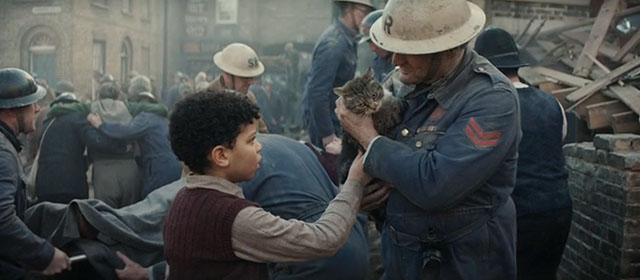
21, 249
332, 65
541, 195
240, 66
382, 64
453, 163
158, 163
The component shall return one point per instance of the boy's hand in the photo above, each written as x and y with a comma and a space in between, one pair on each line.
356, 172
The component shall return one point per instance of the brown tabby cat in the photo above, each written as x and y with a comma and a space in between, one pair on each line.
363, 95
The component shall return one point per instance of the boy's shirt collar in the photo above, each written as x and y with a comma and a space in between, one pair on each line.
214, 183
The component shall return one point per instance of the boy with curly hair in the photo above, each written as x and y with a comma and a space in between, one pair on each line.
211, 231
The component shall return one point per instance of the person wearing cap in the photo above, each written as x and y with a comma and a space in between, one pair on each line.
240, 66
541, 194
21, 249
382, 64
452, 163
272, 107
158, 163
63, 142
332, 65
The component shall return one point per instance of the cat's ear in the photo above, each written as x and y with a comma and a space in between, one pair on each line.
339, 91
369, 73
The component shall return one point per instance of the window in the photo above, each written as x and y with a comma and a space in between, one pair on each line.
42, 57
99, 56
125, 59
126, 6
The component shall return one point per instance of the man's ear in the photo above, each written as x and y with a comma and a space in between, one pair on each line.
219, 156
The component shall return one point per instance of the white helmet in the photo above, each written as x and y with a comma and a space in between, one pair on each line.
239, 60
426, 26
361, 2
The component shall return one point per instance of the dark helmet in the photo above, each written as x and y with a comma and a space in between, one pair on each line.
64, 86
499, 48
18, 88
366, 24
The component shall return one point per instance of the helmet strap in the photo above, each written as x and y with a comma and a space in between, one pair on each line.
20, 119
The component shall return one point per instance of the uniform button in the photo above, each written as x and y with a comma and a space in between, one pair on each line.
418, 144
481, 69
404, 132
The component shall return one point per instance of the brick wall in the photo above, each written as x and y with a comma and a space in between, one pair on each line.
514, 16
604, 181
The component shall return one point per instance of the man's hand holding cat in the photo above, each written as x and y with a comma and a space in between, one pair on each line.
332, 144
359, 126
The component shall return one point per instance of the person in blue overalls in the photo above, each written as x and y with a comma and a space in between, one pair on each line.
541, 194
332, 65
452, 163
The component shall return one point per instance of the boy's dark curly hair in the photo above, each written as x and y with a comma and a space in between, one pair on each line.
202, 121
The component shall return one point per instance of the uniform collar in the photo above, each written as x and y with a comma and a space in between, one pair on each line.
445, 90
8, 132
350, 33
214, 183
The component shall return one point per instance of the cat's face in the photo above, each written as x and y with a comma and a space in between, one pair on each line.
362, 94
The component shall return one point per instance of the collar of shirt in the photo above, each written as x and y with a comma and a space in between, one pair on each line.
214, 183
8, 132
445, 90
520, 85
350, 33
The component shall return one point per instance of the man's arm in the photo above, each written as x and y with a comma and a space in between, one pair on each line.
465, 156
96, 140
322, 74
130, 131
18, 243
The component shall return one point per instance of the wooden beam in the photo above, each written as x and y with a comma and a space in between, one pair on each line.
625, 122
607, 49
630, 95
562, 77
632, 43
531, 76
604, 81
599, 114
598, 32
580, 107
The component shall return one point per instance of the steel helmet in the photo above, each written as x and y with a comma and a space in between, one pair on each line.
239, 60
427, 26
18, 88
64, 86
366, 24
361, 2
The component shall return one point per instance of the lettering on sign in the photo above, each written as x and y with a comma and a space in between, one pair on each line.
46, 10
196, 8
195, 19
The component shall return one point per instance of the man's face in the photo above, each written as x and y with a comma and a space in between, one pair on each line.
359, 13
244, 158
414, 69
26, 117
239, 84
377, 50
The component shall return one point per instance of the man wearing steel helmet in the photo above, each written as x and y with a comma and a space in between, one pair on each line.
382, 64
332, 65
240, 66
453, 163
21, 249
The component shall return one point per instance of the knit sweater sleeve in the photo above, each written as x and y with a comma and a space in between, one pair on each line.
260, 236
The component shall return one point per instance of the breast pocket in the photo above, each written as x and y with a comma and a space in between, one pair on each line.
427, 140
